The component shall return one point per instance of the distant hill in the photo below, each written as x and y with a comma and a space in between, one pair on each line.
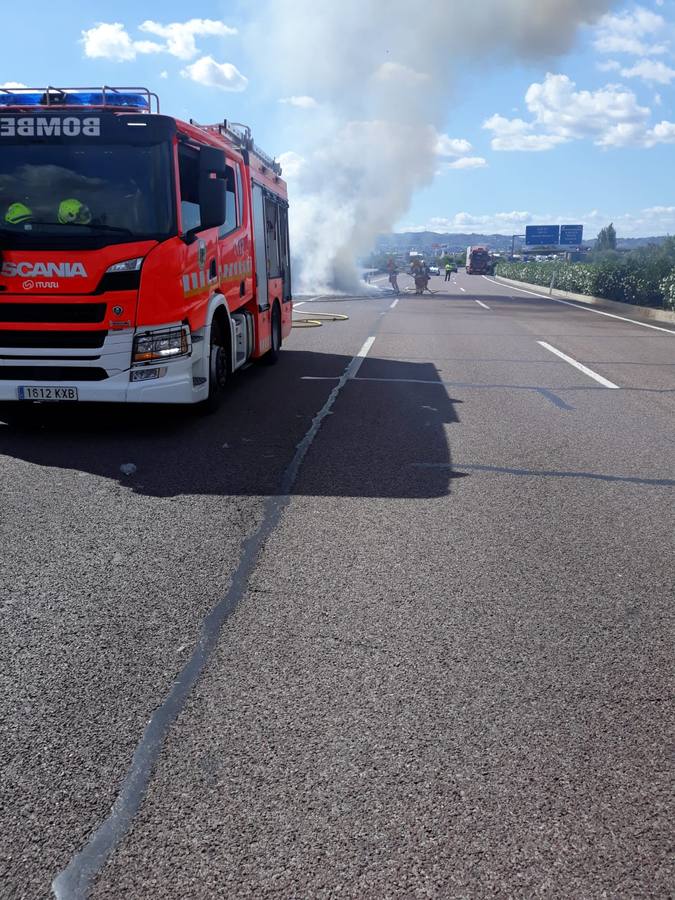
633, 243
424, 241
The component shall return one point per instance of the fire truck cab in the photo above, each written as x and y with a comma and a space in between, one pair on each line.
143, 259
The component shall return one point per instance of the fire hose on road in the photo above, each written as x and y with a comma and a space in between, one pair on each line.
316, 320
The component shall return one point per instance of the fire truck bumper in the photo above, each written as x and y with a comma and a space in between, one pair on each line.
171, 381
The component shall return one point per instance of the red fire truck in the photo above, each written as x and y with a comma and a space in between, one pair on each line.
144, 259
478, 261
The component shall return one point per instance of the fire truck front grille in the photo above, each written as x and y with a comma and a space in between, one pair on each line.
79, 313
51, 373
53, 340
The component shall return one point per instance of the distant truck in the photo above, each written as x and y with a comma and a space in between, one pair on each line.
478, 261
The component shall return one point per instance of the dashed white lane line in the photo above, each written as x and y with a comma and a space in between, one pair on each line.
598, 312
463, 289
578, 365
484, 305
356, 363
392, 305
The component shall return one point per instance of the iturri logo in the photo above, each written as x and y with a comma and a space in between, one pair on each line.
40, 285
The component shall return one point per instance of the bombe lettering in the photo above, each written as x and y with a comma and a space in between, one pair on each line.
50, 126
43, 270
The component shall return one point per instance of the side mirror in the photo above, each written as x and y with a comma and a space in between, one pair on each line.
212, 160
211, 202
211, 190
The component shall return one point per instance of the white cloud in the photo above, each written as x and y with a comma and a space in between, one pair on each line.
447, 146
627, 31
497, 223
516, 134
650, 70
468, 162
291, 163
574, 114
13, 84
623, 134
180, 36
302, 101
164, 74
610, 117
663, 133
610, 65
110, 40
647, 222
208, 72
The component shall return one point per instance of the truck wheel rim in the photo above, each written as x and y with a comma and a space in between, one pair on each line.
218, 366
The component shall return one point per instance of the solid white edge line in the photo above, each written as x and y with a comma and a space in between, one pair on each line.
484, 305
392, 305
598, 312
578, 365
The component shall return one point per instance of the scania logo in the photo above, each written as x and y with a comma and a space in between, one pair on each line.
43, 270
50, 126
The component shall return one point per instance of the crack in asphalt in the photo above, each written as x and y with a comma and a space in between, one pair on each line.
73, 882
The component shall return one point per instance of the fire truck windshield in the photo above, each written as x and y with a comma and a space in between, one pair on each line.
84, 195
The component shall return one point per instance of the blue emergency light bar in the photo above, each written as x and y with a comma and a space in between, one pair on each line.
139, 99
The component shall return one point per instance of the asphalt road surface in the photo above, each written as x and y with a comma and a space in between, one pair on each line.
396, 622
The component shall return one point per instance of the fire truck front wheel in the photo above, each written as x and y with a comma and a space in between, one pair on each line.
219, 367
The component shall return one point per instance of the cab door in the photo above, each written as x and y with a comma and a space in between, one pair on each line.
263, 303
199, 254
234, 245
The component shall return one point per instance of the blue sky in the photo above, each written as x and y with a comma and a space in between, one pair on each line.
587, 137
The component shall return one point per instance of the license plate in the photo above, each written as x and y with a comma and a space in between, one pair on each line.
52, 393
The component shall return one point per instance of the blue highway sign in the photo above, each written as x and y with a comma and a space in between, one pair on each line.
571, 235
542, 235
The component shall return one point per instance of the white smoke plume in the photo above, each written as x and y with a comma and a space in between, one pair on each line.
382, 73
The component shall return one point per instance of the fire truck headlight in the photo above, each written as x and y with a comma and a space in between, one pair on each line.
127, 265
153, 345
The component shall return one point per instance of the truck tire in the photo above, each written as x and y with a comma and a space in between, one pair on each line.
219, 369
272, 354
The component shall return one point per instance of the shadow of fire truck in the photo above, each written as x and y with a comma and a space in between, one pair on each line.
392, 415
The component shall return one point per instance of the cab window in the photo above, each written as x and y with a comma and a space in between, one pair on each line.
274, 226
232, 218
188, 168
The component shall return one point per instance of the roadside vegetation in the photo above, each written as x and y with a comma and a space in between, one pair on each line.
645, 276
